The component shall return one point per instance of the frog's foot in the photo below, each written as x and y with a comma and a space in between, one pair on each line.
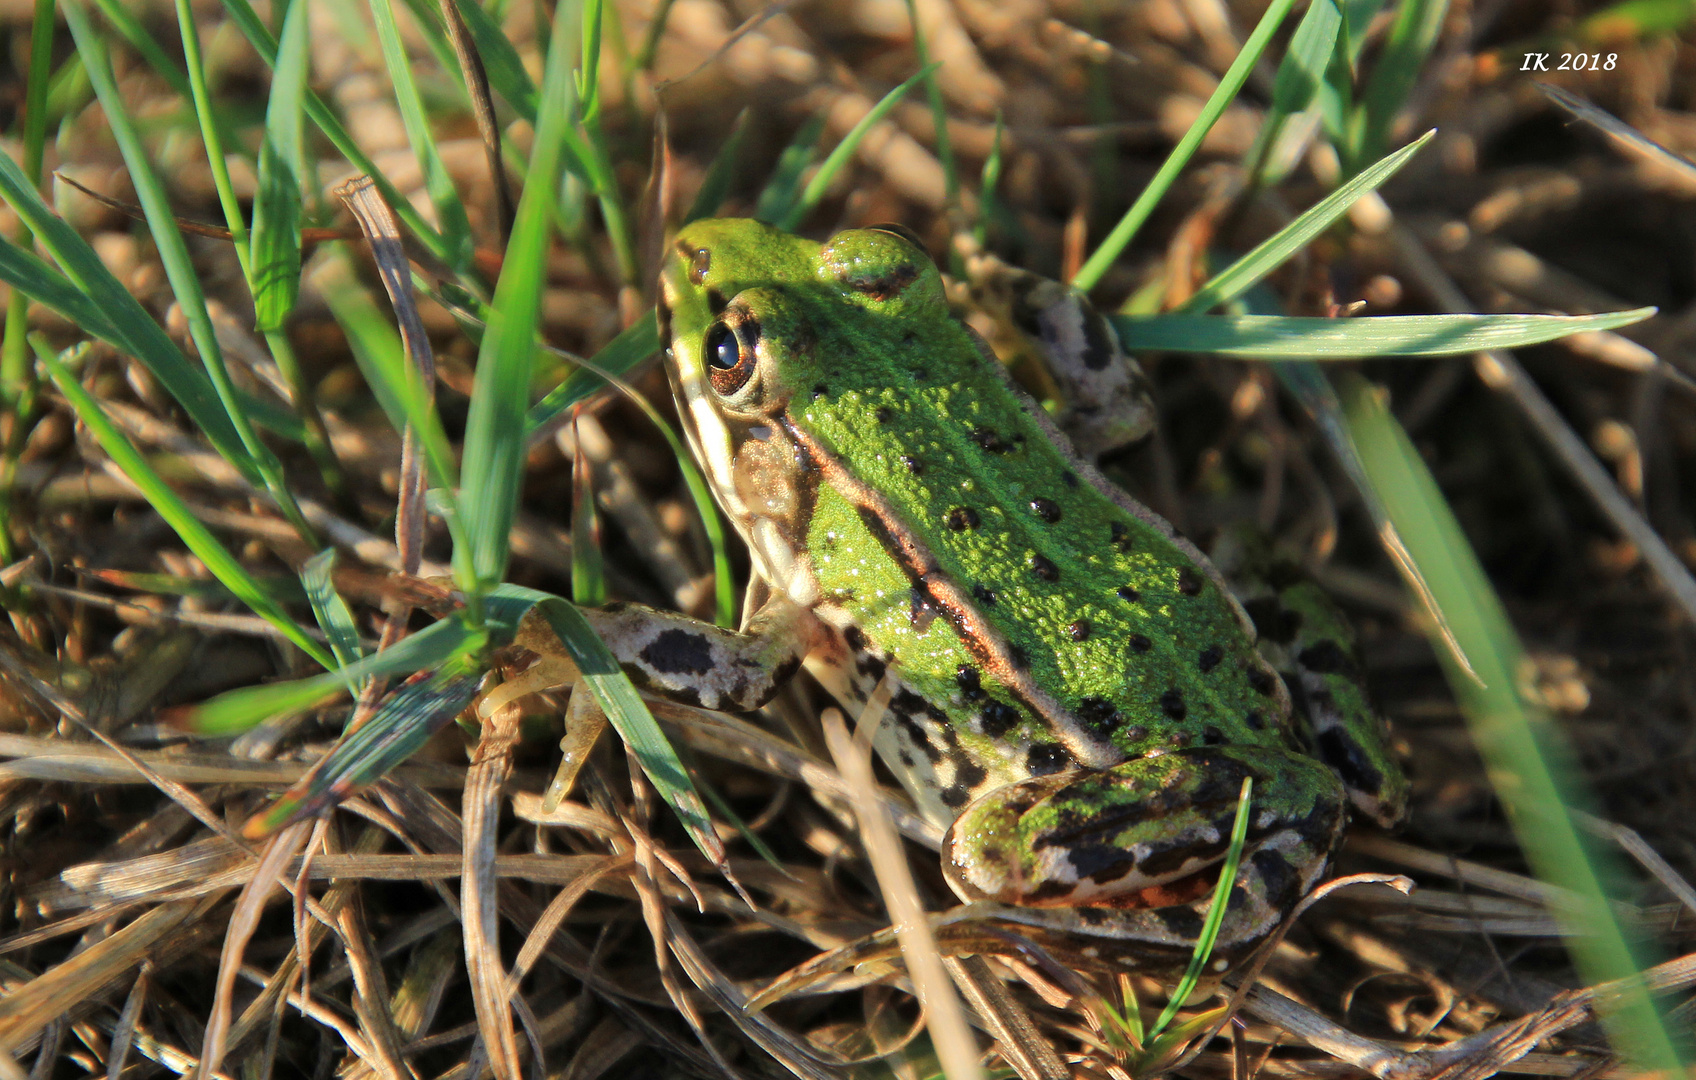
1311, 643
1104, 393
1150, 833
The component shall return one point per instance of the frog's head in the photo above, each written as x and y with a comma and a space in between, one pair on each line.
754, 319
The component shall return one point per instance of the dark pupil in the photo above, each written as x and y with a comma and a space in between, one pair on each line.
722, 350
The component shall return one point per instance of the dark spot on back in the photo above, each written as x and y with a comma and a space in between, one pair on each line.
1079, 630
962, 518
1128, 594
1046, 509
983, 595
1209, 658
1140, 643
1043, 568
1189, 582
1254, 720
966, 677
1045, 759
1212, 736
990, 440
1069, 478
1019, 658
820, 390
1121, 536
678, 652
914, 465
1098, 714
1172, 704
884, 414
997, 719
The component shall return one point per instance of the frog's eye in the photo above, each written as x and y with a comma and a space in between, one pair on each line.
730, 357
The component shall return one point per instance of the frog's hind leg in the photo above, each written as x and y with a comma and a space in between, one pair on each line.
1105, 398
1304, 636
1150, 833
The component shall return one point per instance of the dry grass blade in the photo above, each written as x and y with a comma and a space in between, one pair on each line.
1018, 1040
244, 920
483, 110
27, 1010
946, 1017
482, 805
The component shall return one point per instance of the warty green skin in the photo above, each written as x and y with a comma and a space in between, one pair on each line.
1075, 694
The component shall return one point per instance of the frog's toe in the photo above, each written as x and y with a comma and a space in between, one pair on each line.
1144, 834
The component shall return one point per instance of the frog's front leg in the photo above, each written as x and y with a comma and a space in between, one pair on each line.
1150, 833
680, 658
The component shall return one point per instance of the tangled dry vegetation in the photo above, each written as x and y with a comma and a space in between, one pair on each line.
123, 870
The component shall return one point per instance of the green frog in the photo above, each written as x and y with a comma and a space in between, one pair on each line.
1073, 692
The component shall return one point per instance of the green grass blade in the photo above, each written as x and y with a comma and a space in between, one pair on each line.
778, 197
17, 369
206, 547
247, 21
378, 351
834, 162
1090, 274
400, 727
255, 457
618, 357
17, 373
589, 69
1300, 75
1393, 77
588, 569
727, 164
938, 108
1215, 914
493, 461
1279, 337
1271, 253
630, 718
274, 269
989, 185
450, 211
330, 609
1527, 761
119, 314
239, 710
